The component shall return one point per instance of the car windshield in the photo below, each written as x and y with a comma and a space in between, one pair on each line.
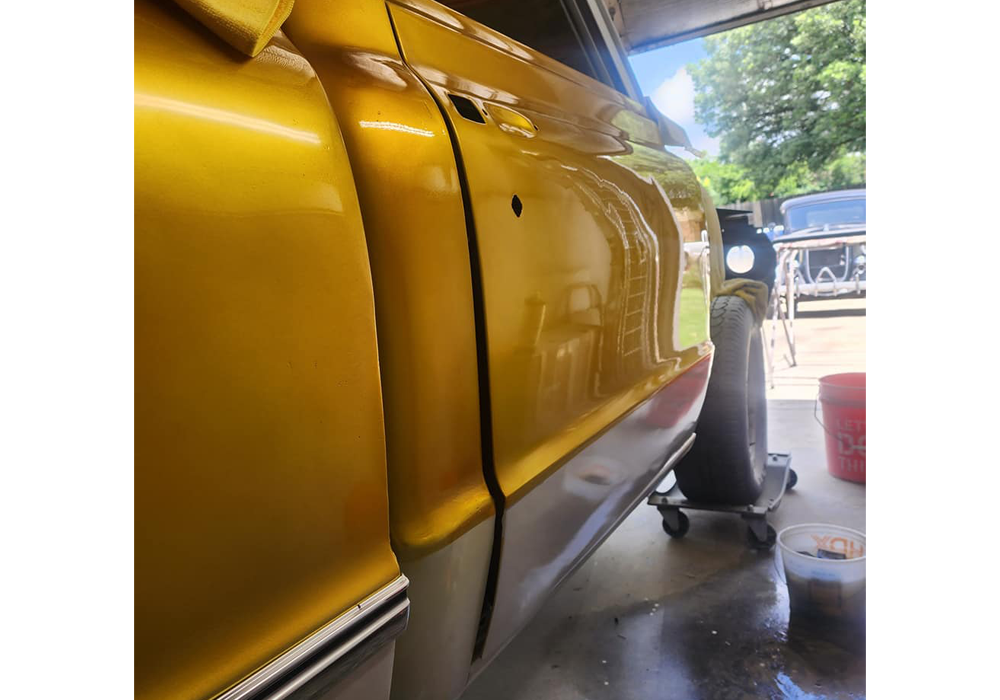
844, 213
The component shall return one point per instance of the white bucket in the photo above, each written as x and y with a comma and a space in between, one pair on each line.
825, 587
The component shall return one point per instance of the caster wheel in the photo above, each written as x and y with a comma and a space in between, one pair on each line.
763, 545
682, 521
793, 479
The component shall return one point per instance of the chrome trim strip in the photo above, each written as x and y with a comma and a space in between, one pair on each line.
679, 454
303, 677
287, 661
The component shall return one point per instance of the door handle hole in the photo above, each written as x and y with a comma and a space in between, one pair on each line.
466, 108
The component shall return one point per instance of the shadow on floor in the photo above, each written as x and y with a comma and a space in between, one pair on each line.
703, 617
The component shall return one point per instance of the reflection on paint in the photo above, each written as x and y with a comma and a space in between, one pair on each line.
383, 70
392, 126
612, 295
223, 116
593, 299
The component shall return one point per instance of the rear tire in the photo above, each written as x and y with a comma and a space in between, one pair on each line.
728, 460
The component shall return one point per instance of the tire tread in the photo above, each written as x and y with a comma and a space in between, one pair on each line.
720, 467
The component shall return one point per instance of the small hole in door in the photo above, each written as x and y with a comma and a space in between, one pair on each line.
516, 205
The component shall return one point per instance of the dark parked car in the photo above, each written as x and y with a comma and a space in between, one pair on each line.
823, 244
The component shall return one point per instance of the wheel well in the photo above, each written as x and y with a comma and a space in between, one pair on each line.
738, 231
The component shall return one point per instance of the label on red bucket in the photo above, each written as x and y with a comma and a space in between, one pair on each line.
843, 399
851, 446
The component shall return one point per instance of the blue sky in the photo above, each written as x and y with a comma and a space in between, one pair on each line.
662, 76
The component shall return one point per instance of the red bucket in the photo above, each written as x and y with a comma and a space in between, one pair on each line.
843, 399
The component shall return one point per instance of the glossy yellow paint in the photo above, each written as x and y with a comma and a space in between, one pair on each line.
260, 487
597, 294
411, 201
718, 262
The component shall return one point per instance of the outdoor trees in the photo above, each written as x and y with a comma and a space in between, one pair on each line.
787, 99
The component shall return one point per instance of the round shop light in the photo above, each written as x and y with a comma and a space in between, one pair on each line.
739, 259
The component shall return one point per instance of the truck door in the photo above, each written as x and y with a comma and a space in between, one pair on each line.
588, 257
262, 554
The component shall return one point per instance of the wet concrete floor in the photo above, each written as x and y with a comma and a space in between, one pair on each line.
704, 616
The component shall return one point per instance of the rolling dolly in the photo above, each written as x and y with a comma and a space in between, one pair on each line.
778, 477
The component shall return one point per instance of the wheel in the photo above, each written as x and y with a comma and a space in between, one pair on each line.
772, 537
793, 479
728, 460
684, 523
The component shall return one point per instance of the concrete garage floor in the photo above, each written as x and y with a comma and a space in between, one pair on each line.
705, 616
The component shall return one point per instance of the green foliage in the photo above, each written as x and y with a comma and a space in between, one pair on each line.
728, 183
787, 98
725, 182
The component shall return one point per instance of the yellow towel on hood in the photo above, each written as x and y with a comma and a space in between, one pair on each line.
246, 25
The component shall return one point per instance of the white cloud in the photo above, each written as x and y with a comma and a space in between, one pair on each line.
675, 98
707, 143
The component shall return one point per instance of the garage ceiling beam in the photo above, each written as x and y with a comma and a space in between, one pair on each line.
649, 24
